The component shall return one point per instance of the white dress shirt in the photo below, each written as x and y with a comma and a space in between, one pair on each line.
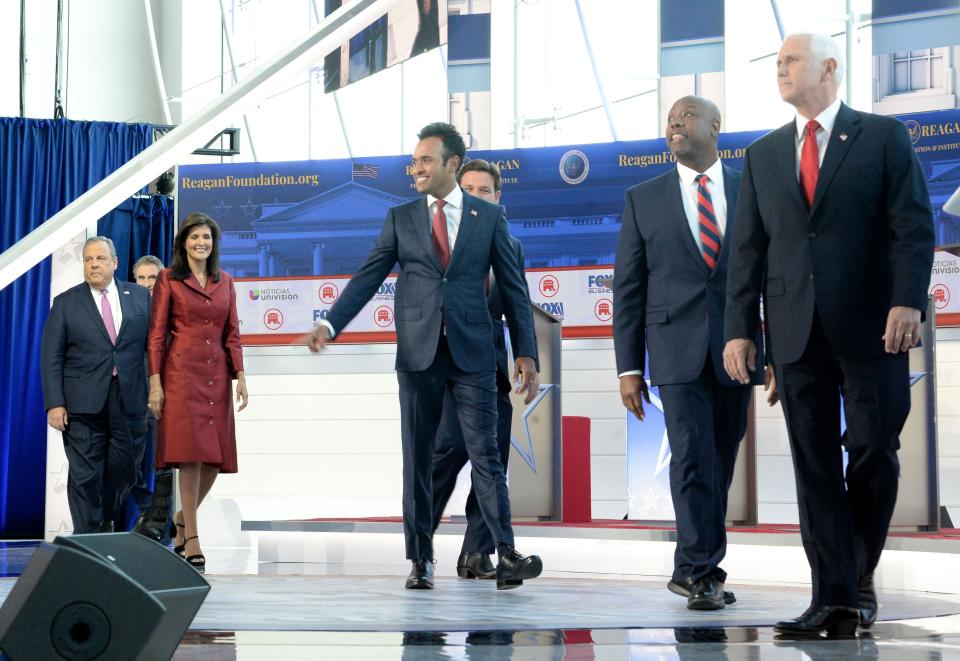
688, 189
453, 210
826, 119
114, 297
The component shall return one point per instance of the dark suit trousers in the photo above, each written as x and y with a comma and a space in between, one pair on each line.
103, 451
449, 458
141, 494
421, 406
844, 522
705, 422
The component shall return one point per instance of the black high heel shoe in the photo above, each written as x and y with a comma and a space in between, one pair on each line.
198, 561
178, 523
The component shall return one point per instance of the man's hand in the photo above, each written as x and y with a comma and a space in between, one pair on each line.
739, 359
57, 418
316, 339
526, 376
633, 390
770, 385
903, 329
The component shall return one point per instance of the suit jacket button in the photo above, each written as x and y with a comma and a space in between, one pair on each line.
444, 281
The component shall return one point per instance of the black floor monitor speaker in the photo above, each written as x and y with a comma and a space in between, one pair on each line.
107, 596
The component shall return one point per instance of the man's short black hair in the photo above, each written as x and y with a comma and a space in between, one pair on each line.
452, 142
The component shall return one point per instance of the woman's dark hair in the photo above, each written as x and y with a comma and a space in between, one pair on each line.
179, 265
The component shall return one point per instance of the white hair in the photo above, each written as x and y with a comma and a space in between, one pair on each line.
823, 48
101, 239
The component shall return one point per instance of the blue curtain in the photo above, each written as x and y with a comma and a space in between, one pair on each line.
44, 165
142, 225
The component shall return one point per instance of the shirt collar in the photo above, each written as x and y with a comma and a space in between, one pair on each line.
110, 285
453, 199
826, 119
688, 175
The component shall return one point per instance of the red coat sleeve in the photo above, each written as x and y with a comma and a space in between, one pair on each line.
159, 323
231, 333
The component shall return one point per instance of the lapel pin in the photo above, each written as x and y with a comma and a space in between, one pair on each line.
843, 136
126, 292
473, 212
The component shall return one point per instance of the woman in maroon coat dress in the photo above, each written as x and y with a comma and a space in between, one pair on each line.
194, 354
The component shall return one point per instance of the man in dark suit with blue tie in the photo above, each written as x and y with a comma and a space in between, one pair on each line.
445, 243
668, 294
834, 228
481, 179
94, 385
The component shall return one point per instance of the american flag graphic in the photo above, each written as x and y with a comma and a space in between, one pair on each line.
363, 171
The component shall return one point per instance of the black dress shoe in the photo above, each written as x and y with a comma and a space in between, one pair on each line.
706, 595
868, 602
421, 575
475, 565
835, 620
514, 568
682, 588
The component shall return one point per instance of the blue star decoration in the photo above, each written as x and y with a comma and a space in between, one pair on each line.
222, 208
249, 209
526, 453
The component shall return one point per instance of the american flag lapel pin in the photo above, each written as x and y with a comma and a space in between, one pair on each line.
843, 136
126, 292
473, 212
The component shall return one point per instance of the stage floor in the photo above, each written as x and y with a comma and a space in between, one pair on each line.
262, 609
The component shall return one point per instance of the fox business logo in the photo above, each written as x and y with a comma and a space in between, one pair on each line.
386, 292
553, 308
273, 294
600, 284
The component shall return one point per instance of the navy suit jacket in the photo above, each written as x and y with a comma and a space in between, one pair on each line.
77, 358
495, 305
865, 246
426, 294
666, 300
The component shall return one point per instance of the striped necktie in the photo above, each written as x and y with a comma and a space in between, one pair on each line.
709, 231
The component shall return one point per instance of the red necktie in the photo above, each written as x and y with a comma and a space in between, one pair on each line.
441, 242
809, 163
709, 232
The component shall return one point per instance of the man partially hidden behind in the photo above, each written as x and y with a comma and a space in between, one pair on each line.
94, 385
480, 179
155, 505
445, 243
668, 293
834, 229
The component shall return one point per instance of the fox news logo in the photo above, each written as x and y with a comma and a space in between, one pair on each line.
318, 315
386, 292
600, 284
554, 309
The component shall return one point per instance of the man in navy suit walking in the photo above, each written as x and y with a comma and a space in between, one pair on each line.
668, 294
480, 179
446, 243
834, 229
94, 385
